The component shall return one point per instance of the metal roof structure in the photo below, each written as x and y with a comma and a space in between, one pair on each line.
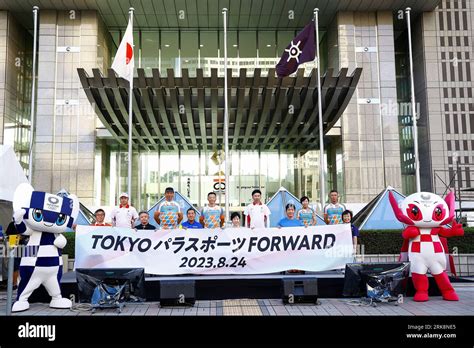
206, 14
186, 112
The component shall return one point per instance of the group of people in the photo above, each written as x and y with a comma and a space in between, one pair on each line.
334, 213
168, 215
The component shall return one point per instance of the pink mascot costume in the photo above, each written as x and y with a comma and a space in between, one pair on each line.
425, 213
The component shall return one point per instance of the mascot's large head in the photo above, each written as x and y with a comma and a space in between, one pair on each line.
46, 212
424, 209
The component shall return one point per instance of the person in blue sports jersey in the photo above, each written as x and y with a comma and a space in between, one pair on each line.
191, 223
306, 214
168, 215
333, 210
290, 219
212, 216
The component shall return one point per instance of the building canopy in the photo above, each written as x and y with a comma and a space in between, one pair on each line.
183, 113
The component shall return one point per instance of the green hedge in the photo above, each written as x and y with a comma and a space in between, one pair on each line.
71, 244
374, 241
390, 241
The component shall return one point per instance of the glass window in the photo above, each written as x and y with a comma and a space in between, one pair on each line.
190, 176
310, 175
189, 44
122, 173
169, 52
249, 175
114, 176
232, 54
98, 175
150, 179
232, 47
269, 169
251, 160
248, 44
189, 51
266, 44
115, 40
136, 49
169, 174
150, 49
287, 172
283, 40
200, 175
208, 44
233, 189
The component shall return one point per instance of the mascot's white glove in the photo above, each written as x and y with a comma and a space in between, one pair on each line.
18, 216
60, 241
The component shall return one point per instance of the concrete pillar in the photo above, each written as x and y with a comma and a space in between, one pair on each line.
370, 137
66, 122
105, 172
3, 67
15, 85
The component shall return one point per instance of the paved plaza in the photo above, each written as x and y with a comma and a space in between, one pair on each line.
275, 307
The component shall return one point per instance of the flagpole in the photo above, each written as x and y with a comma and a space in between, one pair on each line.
320, 113
413, 105
226, 121
33, 90
130, 118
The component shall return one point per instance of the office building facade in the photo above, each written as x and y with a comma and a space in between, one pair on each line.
81, 126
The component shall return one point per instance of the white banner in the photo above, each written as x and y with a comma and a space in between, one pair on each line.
205, 251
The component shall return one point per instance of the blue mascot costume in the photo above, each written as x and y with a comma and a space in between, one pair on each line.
44, 218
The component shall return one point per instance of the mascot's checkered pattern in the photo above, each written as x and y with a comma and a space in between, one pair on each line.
425, 213
43, 217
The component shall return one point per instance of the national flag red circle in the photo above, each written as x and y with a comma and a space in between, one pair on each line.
129, 54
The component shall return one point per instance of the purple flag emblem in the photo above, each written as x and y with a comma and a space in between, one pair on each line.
300, 50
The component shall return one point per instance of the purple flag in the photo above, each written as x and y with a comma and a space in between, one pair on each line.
300, 50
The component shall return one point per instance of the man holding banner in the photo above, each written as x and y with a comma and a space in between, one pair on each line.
257, 214
168, 215
212, 216
124, 215
202, 251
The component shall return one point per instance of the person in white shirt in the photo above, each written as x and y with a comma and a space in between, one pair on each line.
257, 214
124, 215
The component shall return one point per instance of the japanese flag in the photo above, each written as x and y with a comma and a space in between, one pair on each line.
123, 61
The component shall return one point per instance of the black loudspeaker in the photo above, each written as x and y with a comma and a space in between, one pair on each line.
89, 279
177, 293
299, 291
389, 277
